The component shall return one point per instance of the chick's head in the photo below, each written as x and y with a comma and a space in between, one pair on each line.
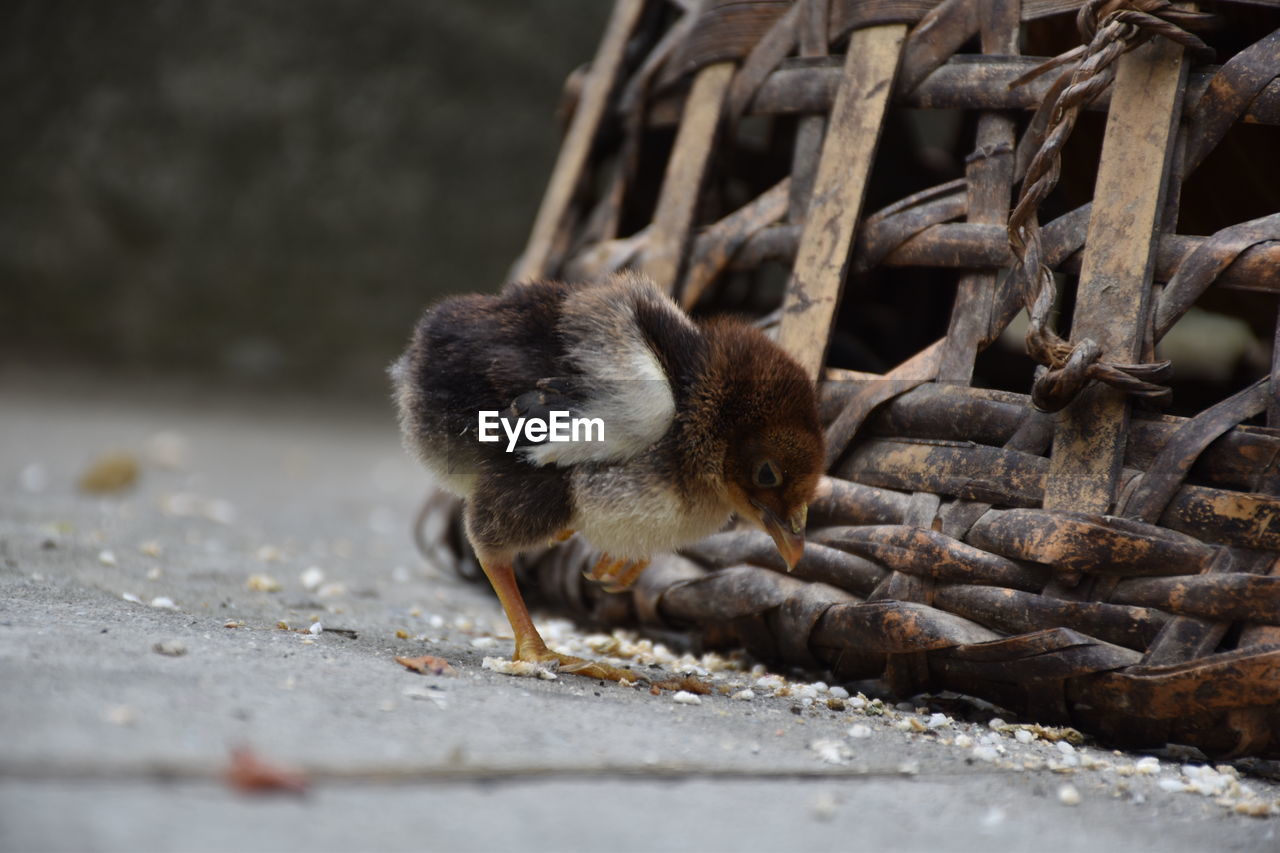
771, 477
774, 454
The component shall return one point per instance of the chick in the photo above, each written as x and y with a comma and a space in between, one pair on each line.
699, 421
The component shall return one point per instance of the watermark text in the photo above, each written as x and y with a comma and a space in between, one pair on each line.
559, 426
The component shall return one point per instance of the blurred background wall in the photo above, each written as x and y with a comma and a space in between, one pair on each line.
266, 192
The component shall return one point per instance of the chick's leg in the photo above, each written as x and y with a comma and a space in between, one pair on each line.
529, 644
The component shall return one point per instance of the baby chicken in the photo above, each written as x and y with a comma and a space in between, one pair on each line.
699, 421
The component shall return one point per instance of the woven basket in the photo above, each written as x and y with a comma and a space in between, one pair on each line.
1055, 542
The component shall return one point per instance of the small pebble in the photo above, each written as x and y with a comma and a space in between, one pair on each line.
824, 807
316, 628
312, 578
745, 695
1024, 736
268, 554
170, 648
189, 505
163, 602
168, 449
1207, 781
1068, 795
433, 696
107, 558
770, 682
858, 730
684, 697
121, 715
830, 751
34, 478
332, 590
1148, 766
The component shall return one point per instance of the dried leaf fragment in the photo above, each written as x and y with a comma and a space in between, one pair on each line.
427, 665
111, 472
685, 683
252, 775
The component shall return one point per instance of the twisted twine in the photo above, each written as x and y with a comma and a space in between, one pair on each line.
1111, 28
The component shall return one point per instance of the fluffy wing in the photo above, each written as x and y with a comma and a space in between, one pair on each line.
629, 347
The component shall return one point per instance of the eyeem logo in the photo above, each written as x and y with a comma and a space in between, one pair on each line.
560, 427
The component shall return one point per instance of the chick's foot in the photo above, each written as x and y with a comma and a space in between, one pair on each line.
577, 666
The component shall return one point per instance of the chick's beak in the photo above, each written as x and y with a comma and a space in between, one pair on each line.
787, 535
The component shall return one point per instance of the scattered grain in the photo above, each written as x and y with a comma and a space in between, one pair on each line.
524, 669
263, 583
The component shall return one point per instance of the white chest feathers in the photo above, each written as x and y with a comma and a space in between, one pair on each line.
627, 511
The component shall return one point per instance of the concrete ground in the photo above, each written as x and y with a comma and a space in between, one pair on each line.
124, 690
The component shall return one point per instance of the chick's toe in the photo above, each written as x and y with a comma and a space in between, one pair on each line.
588, 668
625, 578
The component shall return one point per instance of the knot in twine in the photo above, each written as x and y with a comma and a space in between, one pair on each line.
1065, 374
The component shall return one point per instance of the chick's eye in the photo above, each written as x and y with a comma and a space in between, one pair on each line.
766, 475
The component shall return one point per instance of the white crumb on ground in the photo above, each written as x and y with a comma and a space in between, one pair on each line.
522, 668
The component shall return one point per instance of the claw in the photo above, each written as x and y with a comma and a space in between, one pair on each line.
604, 569
624, 580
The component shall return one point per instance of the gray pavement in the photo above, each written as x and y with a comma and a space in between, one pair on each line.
109, 744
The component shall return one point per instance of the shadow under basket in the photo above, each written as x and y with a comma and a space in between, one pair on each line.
1079, 520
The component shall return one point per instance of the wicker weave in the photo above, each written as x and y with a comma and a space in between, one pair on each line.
1063, 548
